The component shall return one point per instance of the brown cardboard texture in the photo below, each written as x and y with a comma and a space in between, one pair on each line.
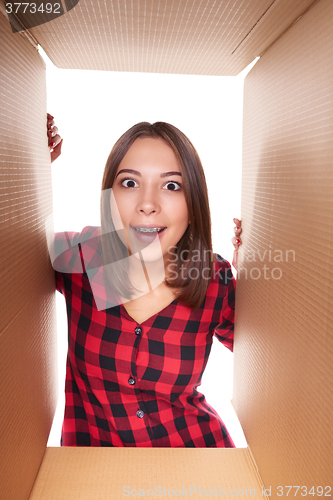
283, 341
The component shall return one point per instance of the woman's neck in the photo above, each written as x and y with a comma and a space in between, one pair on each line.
145, 276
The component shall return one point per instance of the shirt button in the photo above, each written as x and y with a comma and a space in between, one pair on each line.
140, 413
138, 330
131, 381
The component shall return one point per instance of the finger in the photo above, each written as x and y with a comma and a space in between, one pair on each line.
50, 121
238, 222
236, 242
237, 231
56, 151
54, 141
52, 132
57, 148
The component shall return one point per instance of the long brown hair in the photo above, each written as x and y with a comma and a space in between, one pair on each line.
196, 242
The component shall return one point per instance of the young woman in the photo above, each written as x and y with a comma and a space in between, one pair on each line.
144, 294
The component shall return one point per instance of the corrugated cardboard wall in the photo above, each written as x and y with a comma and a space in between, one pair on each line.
284, 351
27, 320
173, 36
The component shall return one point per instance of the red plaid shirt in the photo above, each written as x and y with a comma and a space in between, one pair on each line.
130, 384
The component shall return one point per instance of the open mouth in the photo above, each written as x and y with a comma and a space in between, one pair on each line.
148, 230
148, 234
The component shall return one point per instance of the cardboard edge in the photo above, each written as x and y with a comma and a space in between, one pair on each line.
252, 29
25, 33
38, 472
257, 473
251, 457
289, 27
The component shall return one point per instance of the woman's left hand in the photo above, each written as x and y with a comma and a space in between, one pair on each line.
55, 141
236, 241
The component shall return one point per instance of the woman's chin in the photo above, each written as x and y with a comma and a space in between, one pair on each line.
149, 256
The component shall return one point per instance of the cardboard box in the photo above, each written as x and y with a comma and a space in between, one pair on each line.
283, 347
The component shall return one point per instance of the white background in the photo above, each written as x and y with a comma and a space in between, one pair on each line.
92, 109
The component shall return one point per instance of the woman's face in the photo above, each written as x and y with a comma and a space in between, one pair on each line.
148, 199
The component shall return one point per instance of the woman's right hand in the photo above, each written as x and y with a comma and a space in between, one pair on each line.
236, 241
55, 141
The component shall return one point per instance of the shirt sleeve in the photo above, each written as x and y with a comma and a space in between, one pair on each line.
65, 256
225, 329
59, 282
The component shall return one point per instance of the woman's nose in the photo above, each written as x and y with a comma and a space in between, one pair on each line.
148, 202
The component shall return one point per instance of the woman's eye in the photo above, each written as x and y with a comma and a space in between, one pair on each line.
172, 186
128, 183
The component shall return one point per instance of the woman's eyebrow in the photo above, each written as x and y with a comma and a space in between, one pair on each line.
166, 174
135, 172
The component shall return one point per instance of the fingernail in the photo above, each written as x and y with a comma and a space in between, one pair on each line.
238, 241
52, 144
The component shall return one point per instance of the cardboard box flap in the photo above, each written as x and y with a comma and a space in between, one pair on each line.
284, 345
114, 473
28, 389
202, 38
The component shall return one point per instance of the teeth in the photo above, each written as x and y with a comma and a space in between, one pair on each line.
147, 229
